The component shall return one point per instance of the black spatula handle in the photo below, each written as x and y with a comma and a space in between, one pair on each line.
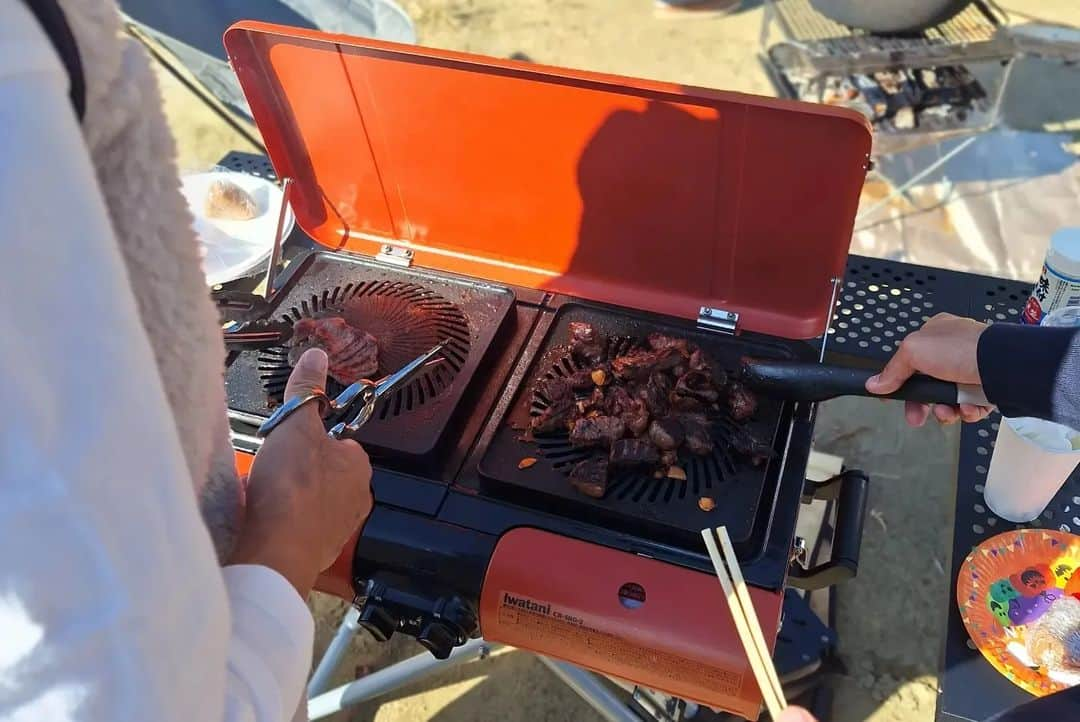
817, 382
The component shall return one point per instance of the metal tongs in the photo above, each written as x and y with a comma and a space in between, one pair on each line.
361, 397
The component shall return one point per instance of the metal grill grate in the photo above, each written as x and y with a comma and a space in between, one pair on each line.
666, 509
408, 311
802, 23
407, 319
821, 45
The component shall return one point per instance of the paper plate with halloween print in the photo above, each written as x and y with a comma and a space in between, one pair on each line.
1006, 585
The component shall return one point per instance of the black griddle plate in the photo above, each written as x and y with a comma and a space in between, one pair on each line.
408, 311
636, 502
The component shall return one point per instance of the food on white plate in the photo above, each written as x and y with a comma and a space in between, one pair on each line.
227, 201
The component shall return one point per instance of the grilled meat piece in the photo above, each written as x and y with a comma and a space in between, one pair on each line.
597, 431
697, 385
654, 393
590, 476
634, 453
636, 417
638, 364
662, 342
741, 401
586, 343
697, 438
353, 354
561, 409
669, 458
555, 418
745, 442
667, 433
581, 381
555, 390
686, 404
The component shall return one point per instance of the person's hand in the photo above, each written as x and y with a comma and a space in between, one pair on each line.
307, 493
946, 347
795, 714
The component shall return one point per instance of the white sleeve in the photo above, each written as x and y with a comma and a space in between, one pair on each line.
270, 653
112, 605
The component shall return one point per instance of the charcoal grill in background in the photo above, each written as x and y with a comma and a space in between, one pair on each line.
494, 202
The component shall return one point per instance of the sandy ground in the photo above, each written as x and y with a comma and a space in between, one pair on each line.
890, 630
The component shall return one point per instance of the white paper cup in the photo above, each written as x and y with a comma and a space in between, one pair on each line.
1024, 476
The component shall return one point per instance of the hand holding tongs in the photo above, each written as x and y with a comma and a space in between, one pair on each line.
363, 395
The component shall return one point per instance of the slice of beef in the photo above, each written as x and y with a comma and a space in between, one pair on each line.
661, 342
654, 393
698, 385
636, 417
561, 408
581, 381
555, 390
741, 401
617, 400
685, 404
597, 431
353, 354
586, 343
747, 443
697, 436
667, 433
634, 453
590, 476
555, 418
638, 364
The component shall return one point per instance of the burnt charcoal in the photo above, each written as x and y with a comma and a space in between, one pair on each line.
662, 342
586, 343
597, 431
634, 453
590, 476
741, 401
698, 385
581, 381
745, 442
667, 433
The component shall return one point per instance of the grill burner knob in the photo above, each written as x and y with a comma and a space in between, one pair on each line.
438, 638
378, 621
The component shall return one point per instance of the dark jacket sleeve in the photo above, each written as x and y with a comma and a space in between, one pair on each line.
1032, 371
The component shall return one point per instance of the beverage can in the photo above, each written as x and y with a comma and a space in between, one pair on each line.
1059, 283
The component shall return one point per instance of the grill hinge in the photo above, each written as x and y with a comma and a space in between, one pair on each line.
718, 320
395, 256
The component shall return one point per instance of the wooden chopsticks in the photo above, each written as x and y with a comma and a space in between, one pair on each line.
746, 620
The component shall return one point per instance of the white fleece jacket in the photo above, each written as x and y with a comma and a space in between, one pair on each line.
113, 607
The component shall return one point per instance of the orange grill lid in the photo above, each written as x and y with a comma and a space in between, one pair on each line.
649, 195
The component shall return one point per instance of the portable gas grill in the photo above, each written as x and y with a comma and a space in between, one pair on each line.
489, 203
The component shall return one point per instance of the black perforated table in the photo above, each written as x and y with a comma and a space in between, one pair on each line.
880, 302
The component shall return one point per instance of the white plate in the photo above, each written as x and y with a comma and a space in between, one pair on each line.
234, 249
